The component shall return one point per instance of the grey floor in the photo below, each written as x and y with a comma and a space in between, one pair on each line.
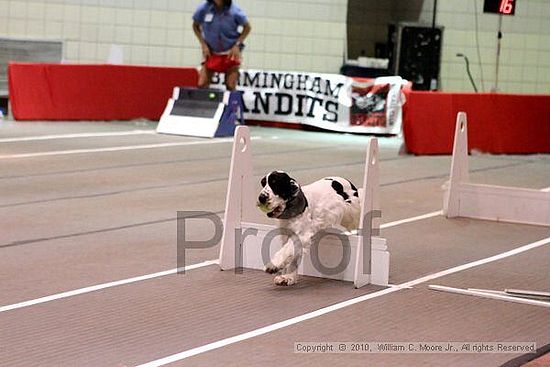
79, 211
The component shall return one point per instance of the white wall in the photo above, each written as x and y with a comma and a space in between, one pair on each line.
296, 34
525, 55
286, 35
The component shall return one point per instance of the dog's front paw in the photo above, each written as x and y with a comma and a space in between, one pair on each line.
284, 280
271, 269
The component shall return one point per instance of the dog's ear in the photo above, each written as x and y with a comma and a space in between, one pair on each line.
263, 181
294, 187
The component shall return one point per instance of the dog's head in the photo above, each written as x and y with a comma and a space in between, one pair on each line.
280, 195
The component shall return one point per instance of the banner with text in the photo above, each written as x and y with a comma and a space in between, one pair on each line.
328, 101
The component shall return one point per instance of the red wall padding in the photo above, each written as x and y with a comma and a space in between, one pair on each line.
497, 123
93, 92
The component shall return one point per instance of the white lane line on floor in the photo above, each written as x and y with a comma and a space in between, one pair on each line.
80, 135
310, 315
547, 189
412, 219
150, 276
456, 269
94, 288
121, 148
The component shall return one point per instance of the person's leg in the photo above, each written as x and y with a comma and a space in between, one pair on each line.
205, 76
232, 78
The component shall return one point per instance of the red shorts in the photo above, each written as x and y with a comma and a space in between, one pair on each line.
220, 63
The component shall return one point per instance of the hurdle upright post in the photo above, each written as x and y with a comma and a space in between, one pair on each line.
238, 187
372, 257
459, 167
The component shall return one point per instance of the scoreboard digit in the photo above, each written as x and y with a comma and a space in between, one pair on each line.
504, 7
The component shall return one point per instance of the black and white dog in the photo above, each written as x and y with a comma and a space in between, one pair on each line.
304, 211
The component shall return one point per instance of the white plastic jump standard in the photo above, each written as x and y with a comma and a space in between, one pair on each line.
506, 204
243, 240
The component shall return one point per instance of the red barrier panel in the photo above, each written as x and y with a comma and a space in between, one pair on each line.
93, 92
497, 123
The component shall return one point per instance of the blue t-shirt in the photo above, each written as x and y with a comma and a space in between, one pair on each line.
219, 27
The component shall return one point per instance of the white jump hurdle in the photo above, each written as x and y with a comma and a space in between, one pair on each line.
506, 204
240, 206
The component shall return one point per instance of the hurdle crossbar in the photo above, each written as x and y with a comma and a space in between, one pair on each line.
365, 260
489, 202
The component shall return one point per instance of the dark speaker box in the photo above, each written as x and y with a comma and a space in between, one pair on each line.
4, 105
416, 54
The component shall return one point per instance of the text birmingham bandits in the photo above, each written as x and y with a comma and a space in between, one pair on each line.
310, 92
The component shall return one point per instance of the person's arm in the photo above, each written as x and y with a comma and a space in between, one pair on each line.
204, 45
235, 52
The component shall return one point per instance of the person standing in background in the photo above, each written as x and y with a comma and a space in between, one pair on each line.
216, 24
